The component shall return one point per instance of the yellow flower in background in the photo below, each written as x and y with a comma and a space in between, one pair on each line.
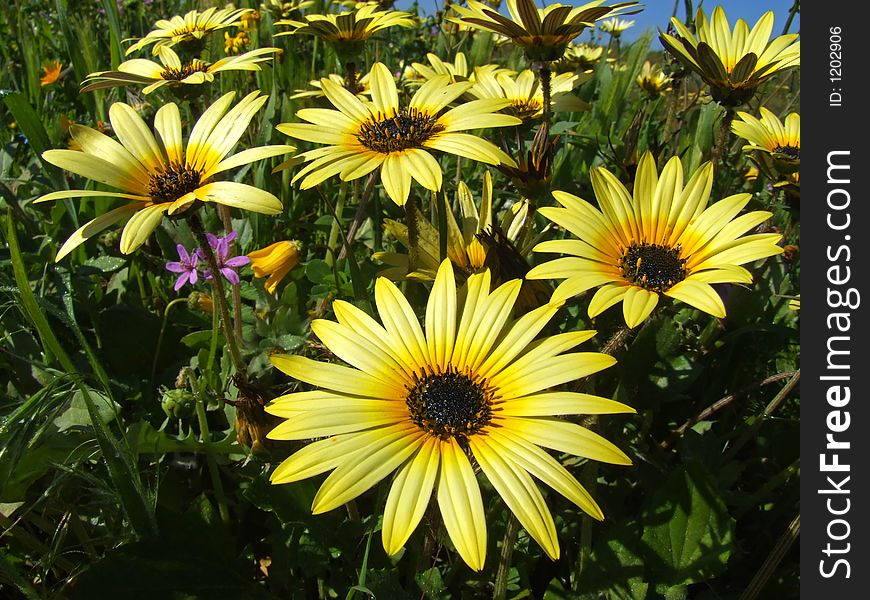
579, 57
360, 137
458, 70
285, 10
234, 44
464, 249
417, 400
50, 73
192, 27
543, 33
615, 26
346, 31
652, 81
249, 20
663, 239
274, 261
363, 88
525, 94
733, 63
157, 173
770, 136
171, 71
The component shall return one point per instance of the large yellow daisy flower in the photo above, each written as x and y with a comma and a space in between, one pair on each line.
157, 173
420, 400
543, 33
362, 137
193, 26
171, 71
662, 240
733, 63
770, 136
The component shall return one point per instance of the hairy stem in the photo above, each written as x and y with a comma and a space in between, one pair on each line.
198, 231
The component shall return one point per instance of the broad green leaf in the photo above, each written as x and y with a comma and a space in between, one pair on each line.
688, 530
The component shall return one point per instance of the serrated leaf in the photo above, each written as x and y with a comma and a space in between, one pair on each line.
688, 529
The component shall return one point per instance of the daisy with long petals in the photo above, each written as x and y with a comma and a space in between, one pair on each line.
526, 95
192, 27
733, 63
171, 71
348, 30
663, 239
768, 135
417, 400
543, 33
361, 137
157, 173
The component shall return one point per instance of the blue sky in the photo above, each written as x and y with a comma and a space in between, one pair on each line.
656, 13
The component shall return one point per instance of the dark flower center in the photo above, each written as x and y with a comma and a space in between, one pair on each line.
409, 128
525, 108
653, 267
790, 151
173, 183
194, 66
450, 404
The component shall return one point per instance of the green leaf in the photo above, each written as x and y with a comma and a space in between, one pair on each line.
318, 271
122, 470
31, 126
688, 529
77, 415
106, 264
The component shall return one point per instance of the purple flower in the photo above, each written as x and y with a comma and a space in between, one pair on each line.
186, 267
221, 248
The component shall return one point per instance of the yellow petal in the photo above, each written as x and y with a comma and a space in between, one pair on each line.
140, 226
519, 493
563, 436
363, 470
409, 496
441, 316
335, 377
93, 227
461, 505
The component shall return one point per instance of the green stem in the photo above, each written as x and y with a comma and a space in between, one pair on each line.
226, 218
198, 231
504, 558
160, 336
545, 75
214, 474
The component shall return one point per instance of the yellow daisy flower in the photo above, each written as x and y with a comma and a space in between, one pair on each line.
579, 57
274, 261
348, 30
193, 26
770, 136
285, 10
361, 137
652, 80
525, 94
418, 400
662, 240
363, 88
464, 249
615, 26
157, 173
171, 71
543, 33
733, 63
